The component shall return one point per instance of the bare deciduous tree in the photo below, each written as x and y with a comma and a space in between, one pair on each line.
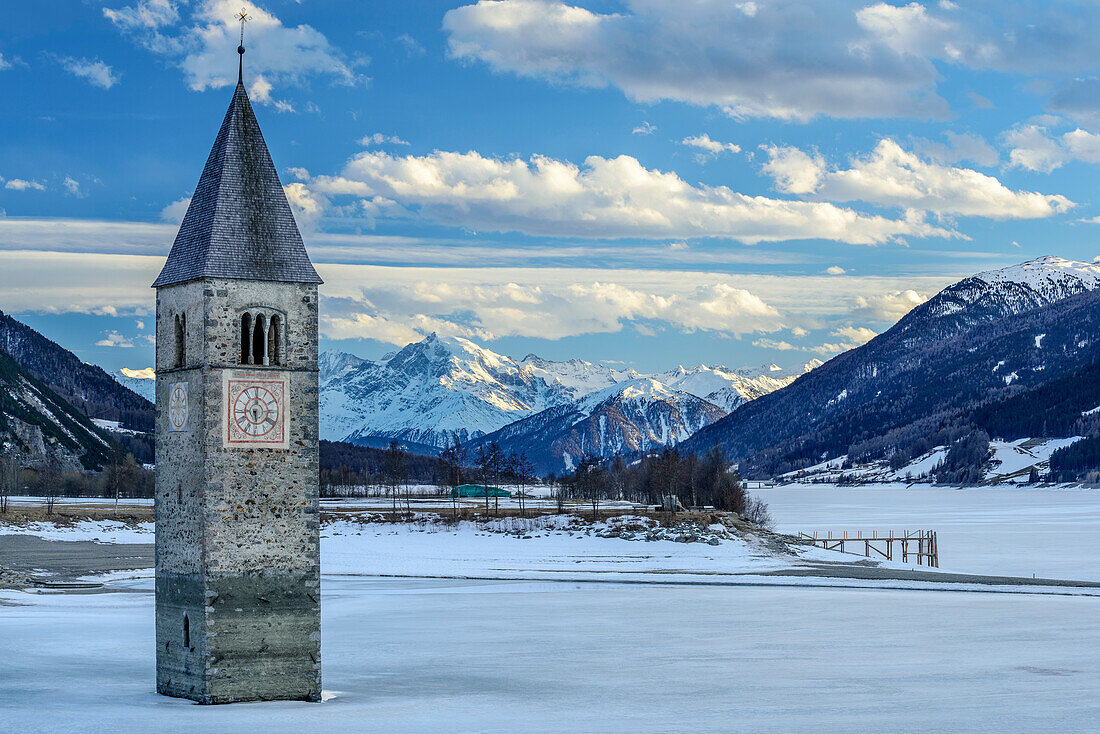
521, 469
396, 468
452, 458
51, 483
9, 479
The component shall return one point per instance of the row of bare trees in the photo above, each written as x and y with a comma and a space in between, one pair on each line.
490, 464
121, 478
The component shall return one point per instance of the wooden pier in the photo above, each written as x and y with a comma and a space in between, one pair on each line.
915, 546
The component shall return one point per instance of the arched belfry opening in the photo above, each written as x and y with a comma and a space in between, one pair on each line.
273, 340
246, 338
259, 341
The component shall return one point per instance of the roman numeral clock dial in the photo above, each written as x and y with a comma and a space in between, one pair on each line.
255, 411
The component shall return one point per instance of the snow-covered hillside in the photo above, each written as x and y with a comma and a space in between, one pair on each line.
443, 388
980, 340
37, 426
1054, 277
1011, 463
994, 294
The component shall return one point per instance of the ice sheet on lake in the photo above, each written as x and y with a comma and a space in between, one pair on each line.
414, 656
998, 530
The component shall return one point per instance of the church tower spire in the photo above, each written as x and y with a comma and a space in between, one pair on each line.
237, 533
239, 223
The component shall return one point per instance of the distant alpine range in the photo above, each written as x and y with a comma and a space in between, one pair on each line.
1007, 353
440, 389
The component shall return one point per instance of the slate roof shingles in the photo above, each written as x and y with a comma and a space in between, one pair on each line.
239, 224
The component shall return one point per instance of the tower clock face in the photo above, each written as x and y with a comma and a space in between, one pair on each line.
177, 407
255, 410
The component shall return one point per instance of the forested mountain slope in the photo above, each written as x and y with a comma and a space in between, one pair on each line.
41, 428
86, 387
982, 340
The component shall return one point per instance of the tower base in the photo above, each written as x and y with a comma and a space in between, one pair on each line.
239, 638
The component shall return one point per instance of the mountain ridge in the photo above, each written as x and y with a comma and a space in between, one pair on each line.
630, 417
982, 339
432, 392
87, 387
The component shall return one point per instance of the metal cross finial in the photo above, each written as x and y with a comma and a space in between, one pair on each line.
243, 17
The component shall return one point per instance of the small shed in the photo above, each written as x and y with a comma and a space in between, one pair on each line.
479, 490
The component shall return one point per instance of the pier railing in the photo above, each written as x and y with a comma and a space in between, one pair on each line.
913, 546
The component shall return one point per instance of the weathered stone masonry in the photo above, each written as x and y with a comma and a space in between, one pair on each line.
237, 539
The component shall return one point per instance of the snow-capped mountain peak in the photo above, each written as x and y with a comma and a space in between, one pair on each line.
634, 415
333, 363
1048, 275
440, 388
728, 388
142, 381
996, 294
576, 375
641, 388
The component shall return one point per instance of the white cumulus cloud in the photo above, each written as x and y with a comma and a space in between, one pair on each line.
603, 198
381, 139
889, 306
175, 211
736, 56
1036, 148
22, 184
712, 147
856, 334
201, 47
114, 339
307, 206
891, 176
488, 308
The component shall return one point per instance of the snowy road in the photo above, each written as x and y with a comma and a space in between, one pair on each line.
430, 655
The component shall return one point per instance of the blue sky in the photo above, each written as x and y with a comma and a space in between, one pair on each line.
651, 182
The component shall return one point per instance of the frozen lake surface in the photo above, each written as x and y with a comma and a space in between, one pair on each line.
1016, 532
434, 655
410, 655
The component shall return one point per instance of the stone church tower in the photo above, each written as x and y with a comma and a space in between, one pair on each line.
237, 550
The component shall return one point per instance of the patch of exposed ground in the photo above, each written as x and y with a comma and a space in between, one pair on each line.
28, 560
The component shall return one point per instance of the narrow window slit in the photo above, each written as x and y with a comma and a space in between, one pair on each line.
181, 341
